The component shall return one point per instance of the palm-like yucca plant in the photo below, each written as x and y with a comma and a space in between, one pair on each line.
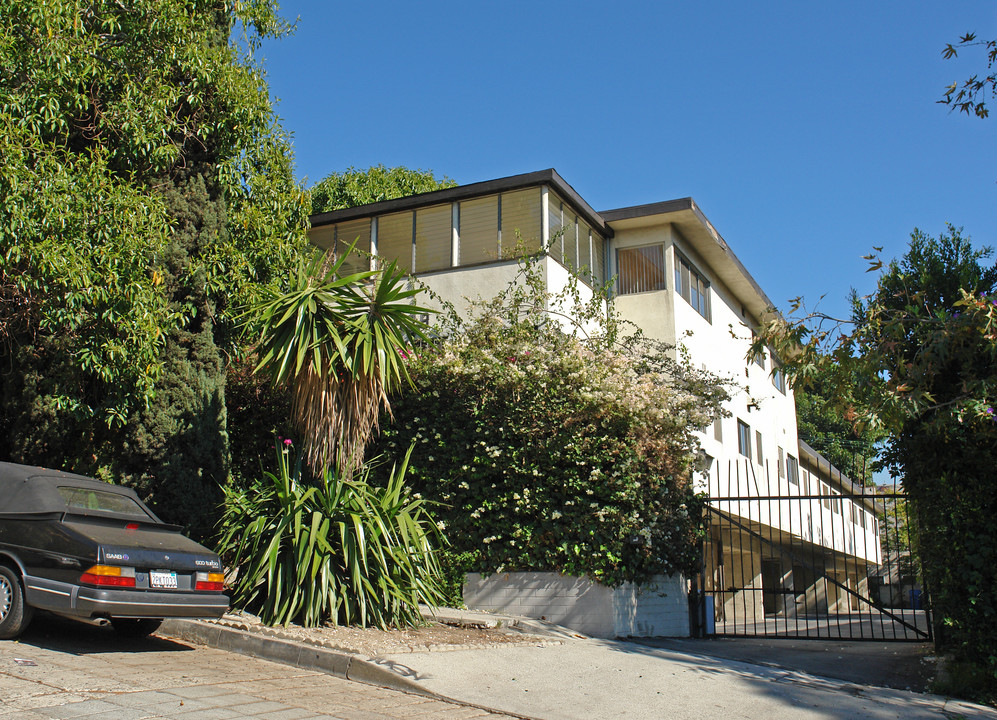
334, 550
340, 342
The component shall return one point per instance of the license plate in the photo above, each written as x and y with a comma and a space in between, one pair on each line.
163, 579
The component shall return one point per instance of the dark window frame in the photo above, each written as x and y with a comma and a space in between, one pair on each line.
692, 285
744, 438
641, 282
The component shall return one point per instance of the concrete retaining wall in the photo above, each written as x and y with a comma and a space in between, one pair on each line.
658, 609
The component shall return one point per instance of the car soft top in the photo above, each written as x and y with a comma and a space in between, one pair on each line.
28, 489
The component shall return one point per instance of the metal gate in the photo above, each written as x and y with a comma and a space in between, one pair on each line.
812, 561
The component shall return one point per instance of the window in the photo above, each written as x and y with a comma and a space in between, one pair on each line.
433, 238
691, 285
758, 448
394, 239
782, 461
520, 221
718, 430
759, 357
743, 439
79, 498
479, 219
640, 269
825, 491
599, 258
779, 380
793, 470
835, 502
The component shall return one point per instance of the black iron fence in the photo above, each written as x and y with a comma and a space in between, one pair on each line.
812, 561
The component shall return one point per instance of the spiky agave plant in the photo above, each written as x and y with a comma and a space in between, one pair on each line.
339, 341
330, 550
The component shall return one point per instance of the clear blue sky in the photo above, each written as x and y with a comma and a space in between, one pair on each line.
807, 132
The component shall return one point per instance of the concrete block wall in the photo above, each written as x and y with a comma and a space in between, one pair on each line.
658, 609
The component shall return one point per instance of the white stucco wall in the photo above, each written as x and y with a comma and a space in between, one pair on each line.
720, 344
460, 286
658, 609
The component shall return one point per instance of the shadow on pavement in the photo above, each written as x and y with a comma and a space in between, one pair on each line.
897, 665
53, 632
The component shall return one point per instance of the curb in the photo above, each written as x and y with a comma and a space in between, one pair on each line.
300, 655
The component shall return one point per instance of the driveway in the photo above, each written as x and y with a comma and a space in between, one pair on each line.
61, 669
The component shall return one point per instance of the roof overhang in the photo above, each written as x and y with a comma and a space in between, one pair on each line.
547, 177
699, 232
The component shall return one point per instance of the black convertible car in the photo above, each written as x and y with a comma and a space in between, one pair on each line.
90, 550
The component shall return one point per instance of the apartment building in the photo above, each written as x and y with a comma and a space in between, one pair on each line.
787, 535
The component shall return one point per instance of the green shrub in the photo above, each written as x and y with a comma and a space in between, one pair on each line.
332, 550
552, 451
454, 566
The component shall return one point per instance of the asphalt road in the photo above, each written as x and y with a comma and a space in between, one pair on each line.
60, 669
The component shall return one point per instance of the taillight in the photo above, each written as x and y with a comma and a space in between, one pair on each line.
211, 582
109, 576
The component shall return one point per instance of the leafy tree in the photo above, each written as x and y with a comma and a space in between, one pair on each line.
555, 440
146, 192
826, 429
361, 187
969, 97
919, 362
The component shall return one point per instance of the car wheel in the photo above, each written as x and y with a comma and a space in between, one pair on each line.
14, 613
135, 627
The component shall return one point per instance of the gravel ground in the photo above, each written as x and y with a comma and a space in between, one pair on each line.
374, 642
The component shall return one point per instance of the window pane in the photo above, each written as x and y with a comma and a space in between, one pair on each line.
479, 230
394, 239
555, 223
354, 233
584, 247
433, 238
641, 269
521, 214
743, 439
692, 286
793, 470
598, 250
570, 240
88, 499
758, 448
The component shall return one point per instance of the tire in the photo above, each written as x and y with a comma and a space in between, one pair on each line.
135, 627
14, 613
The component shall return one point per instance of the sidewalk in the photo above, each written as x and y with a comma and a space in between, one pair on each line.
581, 678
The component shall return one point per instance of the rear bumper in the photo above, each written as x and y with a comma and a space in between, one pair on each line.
90, 602
97, 602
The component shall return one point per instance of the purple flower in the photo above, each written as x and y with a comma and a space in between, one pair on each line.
287, 441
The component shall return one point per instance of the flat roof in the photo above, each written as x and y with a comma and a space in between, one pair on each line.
465, 192
684, 213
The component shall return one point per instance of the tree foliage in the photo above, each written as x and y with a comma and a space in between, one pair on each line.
919, 362
338, 342
355, 187
821, 424
970, 96
555, 440
146, 192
